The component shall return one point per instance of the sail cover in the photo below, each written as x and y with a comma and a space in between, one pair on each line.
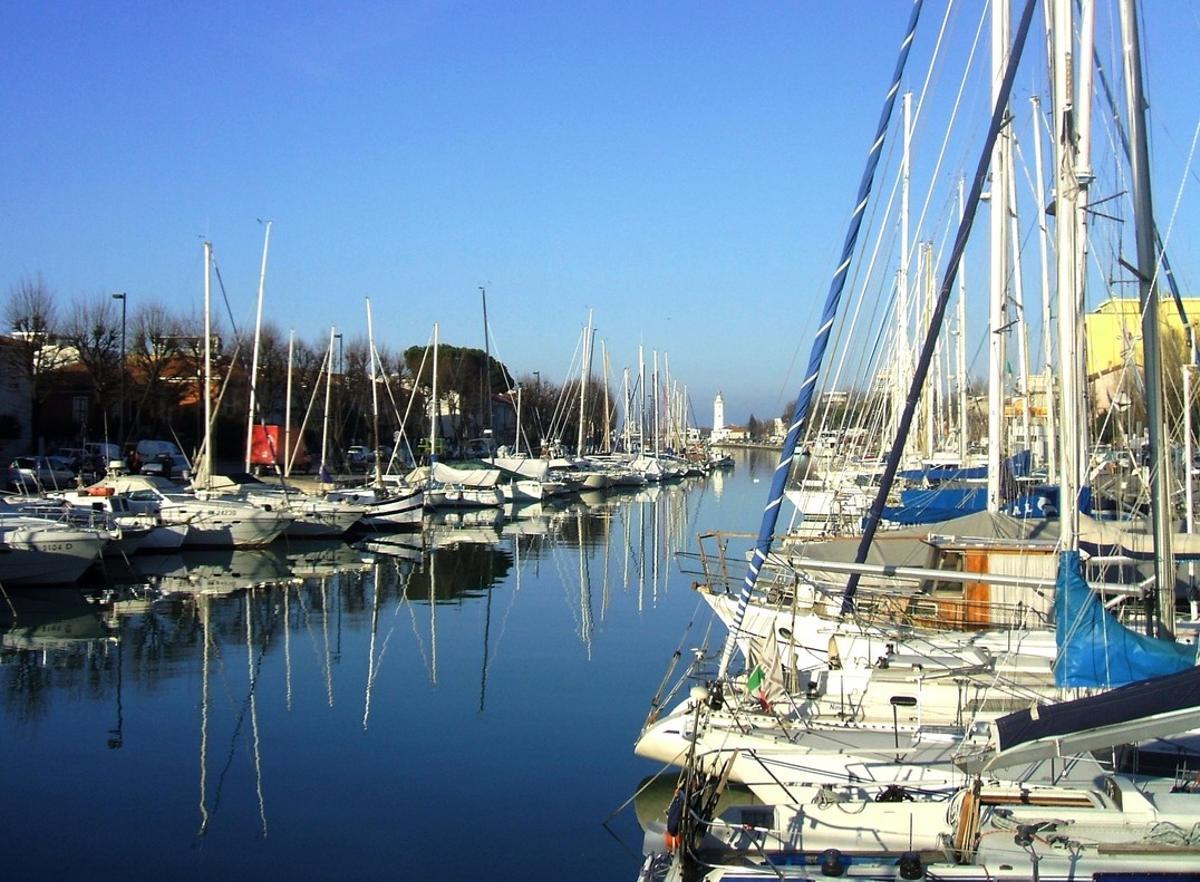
1094, 649
1154, 708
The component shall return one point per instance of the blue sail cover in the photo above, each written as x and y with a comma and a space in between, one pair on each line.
943, 503
1018, 465
1094, 649
934, 506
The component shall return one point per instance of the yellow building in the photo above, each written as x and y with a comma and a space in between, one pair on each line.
1113, 334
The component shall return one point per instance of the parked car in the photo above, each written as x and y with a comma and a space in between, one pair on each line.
83, 461
168, 465
72, 456
103, 452
358, 458
30, 474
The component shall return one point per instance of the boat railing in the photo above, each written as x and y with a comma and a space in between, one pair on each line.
914, 597
714, 556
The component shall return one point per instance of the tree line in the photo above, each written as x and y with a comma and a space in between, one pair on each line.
156, 389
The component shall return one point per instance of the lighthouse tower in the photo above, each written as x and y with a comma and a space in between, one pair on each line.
718, 427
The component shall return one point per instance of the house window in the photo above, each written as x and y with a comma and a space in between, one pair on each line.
79, 409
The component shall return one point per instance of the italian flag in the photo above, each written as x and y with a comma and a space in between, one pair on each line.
756, 680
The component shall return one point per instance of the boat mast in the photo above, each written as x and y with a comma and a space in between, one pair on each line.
654, 399
628, 410
434, 408
206, 472
584, 369
642, 407
998, 264
607, 445
1050, 431
262, 284
487, 368
328, 396
1066, 194
287, 409
1147, 272
1019, 301
902, 307
374, 396
928, 295
964, 431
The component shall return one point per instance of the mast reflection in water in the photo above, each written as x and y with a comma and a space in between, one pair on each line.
410, 705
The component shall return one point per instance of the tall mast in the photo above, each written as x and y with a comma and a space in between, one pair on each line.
262, 284
928, 295
1051, 429
964, 429
1083, 179
206, 473
584, 369
654, 401
1066, 233
434, 407
902, 306
374, 396
487, 366
1147, 271
998, 264
1019, 301
628, 409
517, 434
668, 402
607, 446
287, 408
328, 398
642, 407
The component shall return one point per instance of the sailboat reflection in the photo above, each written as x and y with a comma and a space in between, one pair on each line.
45, 620
216, 571
444, 529
324, 557
214, 614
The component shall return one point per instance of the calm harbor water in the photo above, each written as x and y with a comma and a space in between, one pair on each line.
457, 706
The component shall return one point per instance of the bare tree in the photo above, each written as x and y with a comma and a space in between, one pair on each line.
30, 315
92, 330
160, 375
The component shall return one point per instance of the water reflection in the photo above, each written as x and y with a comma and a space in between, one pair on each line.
235, 665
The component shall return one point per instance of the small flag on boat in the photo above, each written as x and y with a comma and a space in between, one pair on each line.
757, 677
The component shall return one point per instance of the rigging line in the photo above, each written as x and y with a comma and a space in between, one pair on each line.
906, 418
954, 111
803, 401
1161, 247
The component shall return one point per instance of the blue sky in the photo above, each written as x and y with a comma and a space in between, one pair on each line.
685, 169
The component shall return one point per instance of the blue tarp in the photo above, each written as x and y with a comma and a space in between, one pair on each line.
944, 503
1094, 649
1017, 465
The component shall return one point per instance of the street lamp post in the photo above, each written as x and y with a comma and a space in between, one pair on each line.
121, 418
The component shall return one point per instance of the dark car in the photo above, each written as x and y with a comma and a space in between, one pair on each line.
168, 465
31, 474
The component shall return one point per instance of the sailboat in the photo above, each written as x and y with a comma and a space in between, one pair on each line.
1060, 831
